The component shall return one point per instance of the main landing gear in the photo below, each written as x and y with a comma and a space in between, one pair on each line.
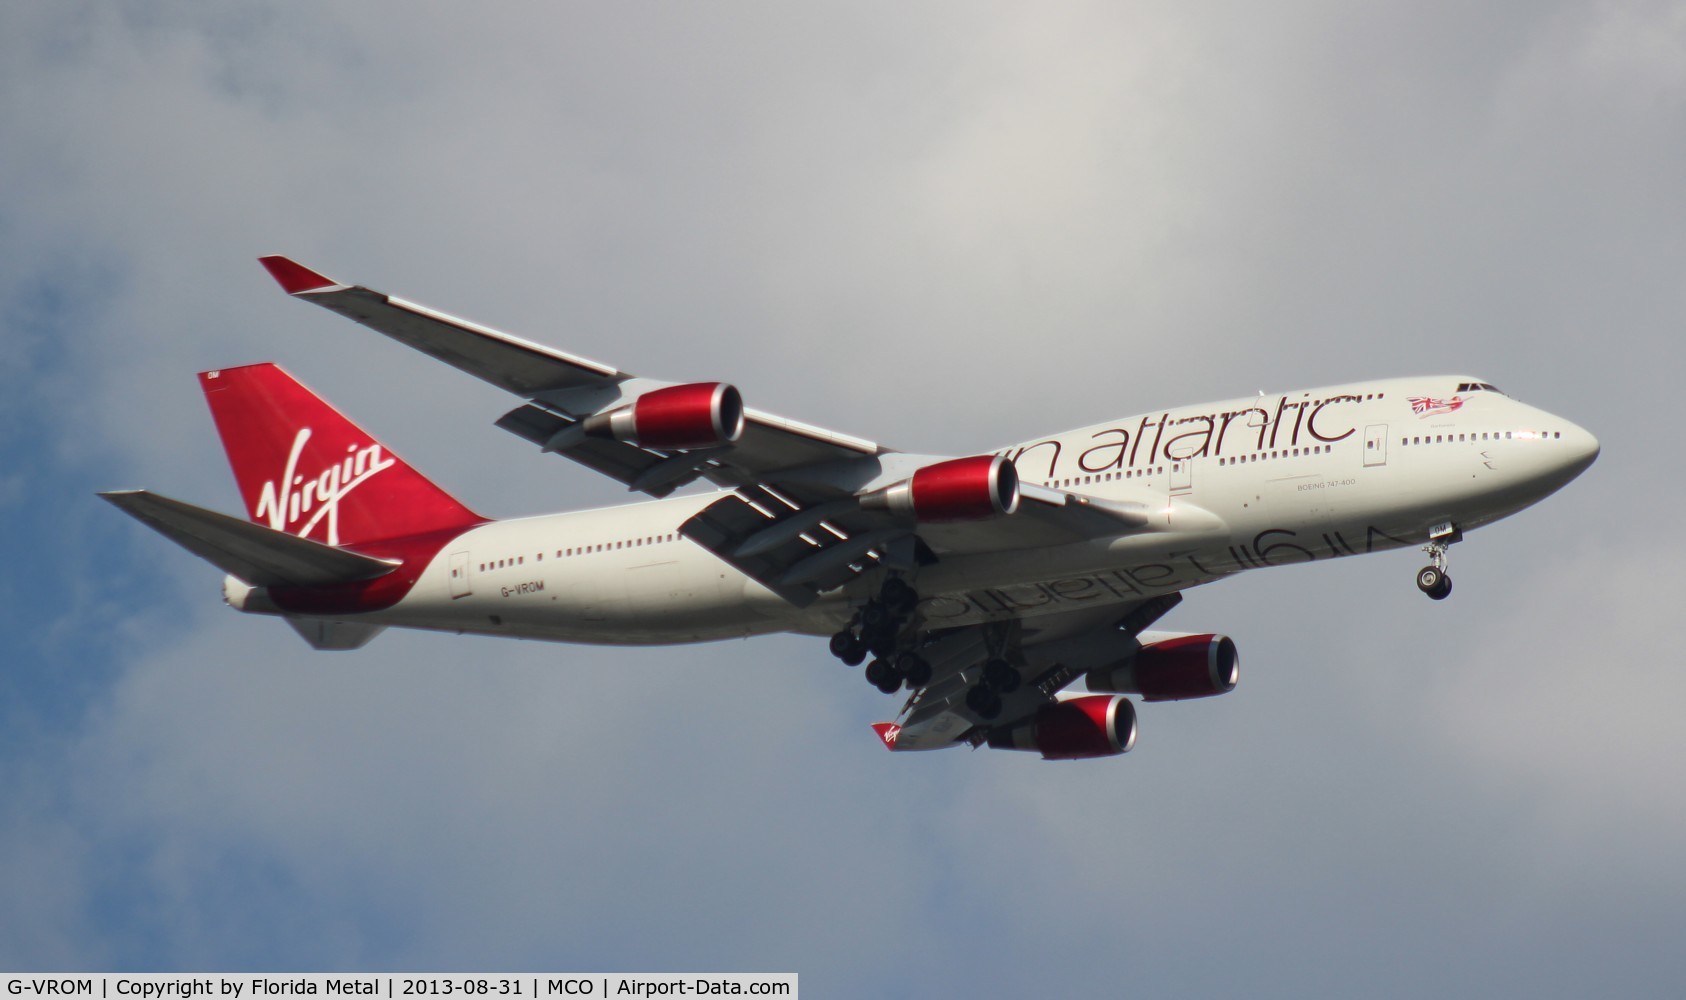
1434, 579
999, 678
877, 630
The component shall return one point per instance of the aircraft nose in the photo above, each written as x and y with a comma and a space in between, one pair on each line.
1580, 450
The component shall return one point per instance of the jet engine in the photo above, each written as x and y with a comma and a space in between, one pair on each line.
960, 489
675, 418
1184, 666
1094, 725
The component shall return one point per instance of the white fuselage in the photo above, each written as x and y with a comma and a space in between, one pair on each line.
1236, 485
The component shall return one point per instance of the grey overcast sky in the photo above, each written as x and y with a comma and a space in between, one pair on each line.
942, 226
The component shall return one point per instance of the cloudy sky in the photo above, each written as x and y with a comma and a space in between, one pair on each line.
942, 226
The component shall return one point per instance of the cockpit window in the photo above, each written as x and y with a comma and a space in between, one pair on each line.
1479, 387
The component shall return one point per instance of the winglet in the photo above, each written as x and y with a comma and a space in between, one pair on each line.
293, 277
887, 731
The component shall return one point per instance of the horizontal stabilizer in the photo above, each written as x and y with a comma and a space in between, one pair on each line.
258, 555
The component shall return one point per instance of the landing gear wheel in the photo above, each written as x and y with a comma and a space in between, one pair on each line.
898, 596
984, 702
856, 654
880, 675
842, 643
1000, 677
1434, 582
875, 615
915, 669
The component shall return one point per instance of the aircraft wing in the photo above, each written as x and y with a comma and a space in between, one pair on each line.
795, 522
563, 387
1048, 651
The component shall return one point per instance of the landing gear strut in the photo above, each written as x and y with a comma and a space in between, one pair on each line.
877, 629
1434, 579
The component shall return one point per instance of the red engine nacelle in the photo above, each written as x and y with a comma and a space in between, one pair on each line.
1094, 725
698, 415
961, 489
1185, 666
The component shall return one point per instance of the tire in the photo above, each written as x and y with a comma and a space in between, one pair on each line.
983, 702
915, 669
856, 654
877, 672
875, 615
1000, 677
1443, 591
894, 592
841, 644
1429, 579
898, 596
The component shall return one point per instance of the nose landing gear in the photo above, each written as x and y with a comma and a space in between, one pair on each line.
1434, 579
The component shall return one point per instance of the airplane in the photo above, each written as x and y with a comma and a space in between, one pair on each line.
985, 585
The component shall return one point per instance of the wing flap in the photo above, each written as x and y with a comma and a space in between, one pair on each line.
259, 555
723, 527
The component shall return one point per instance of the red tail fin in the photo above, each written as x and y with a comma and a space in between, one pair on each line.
304, 468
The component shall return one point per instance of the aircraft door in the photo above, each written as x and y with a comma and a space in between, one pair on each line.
1375, 445
1182, 477
460, 585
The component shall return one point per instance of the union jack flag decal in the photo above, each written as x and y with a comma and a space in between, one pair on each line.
1424, 406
